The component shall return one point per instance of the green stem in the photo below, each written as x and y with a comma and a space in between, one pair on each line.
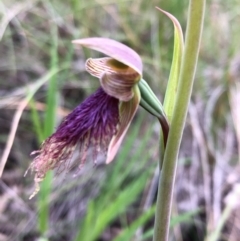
186, 78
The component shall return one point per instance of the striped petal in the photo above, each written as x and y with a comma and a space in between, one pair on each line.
127, 111
98, 66
115, 50
116, 86
117, 79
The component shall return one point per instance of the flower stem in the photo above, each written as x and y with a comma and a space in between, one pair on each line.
186, 78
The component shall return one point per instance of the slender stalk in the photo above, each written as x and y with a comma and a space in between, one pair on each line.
187, 73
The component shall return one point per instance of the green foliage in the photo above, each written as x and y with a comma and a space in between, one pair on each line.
183, 78
98, 219
48, 127
129, 232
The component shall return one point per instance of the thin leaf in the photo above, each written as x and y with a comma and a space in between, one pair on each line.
49, 123
172, 86
36, 121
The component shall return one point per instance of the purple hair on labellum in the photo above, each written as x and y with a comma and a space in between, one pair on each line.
92, 123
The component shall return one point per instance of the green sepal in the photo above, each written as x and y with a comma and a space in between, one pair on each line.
151, 103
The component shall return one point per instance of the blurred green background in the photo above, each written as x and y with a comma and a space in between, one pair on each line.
42, 77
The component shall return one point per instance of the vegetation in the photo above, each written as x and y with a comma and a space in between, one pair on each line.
43, 77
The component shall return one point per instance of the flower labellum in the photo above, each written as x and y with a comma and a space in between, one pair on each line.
103, 119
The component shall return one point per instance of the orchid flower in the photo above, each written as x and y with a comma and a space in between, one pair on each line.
103, 119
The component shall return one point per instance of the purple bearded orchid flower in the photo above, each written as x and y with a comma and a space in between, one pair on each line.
103, 119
